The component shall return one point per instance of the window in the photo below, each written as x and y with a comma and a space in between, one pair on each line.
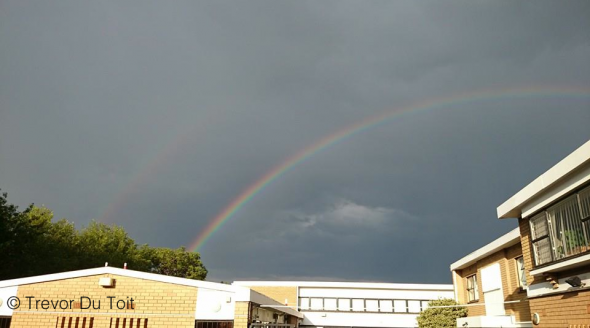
372, 305
304, 303
212, 324
4, 322
562, 230
424, 305
358, 305
414, 306
330, 304
520, 273
134, 323
386, 306
400, 306
472, 291
540, 236
344, 304
317, 303
74, 322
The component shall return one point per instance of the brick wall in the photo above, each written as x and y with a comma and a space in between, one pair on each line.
164, 305
570, 310
512, 292
279, 293
564, 310
242, 315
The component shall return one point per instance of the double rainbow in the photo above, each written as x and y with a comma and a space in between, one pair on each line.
255, 188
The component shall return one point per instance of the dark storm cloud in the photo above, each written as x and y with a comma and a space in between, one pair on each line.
179, 106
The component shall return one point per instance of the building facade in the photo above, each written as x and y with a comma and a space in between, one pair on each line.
491, 282
116, 298
553, 214
348, 304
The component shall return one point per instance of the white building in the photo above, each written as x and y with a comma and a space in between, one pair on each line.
353, 304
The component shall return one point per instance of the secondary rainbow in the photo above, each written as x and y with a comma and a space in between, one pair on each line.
247, 194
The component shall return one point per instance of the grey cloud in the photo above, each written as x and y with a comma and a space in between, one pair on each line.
170, 110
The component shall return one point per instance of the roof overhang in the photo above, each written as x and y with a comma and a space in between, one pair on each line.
119, 272
507, 240
241, 293
568, 174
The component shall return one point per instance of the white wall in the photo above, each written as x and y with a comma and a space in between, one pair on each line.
375, 293
322, 319
5, 293
368, 319
215, 305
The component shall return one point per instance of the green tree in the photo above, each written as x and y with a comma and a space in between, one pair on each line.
174, 262
99, 243
441, 313
32, 244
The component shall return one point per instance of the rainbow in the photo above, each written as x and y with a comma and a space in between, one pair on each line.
255, 188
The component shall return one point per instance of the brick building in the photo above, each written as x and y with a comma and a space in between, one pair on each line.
491, 282
110, 297
553, 214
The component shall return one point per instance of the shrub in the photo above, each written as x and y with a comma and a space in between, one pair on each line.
441, 317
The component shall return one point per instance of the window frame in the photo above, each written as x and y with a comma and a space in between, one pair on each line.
556, 231
474, 288
519, 264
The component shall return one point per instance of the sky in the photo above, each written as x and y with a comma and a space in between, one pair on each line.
155, 115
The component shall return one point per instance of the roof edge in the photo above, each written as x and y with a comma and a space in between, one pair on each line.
510, 239
120, 272
511, 208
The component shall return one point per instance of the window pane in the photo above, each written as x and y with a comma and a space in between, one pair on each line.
584, 196
424, 305
372, 305
539, 226
344, 304
566, 230
358, 305
399, 306
414, 306
386, 306
542, 250
330, 304
472, 291
317, 304
520, 271
304, 303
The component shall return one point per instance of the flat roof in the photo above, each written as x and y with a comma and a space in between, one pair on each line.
512, 207
120, 272
507, 240
333, 284
242, 293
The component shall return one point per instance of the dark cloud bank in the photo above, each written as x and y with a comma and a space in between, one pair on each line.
190, 102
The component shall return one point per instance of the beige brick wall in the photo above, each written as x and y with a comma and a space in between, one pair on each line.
279, 293
164, 305
242, 315
512, 292
569, 310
